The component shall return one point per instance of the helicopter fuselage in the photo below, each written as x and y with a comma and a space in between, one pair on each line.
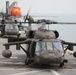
9, 30
43, 47
46, 51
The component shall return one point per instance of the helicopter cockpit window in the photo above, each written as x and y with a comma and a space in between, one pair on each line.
43, 45
8, 27
40, 46
49, 46
57, 46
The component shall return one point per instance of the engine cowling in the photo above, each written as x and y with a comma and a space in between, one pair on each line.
42, 34
30, 34
45, 34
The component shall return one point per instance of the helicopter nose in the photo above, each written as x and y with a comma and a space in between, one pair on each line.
49, 56
52, 58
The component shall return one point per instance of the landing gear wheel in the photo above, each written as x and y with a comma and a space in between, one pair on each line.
1, 35
26, 61
61, 64
7, 53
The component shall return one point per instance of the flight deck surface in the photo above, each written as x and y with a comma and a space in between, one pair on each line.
15, 65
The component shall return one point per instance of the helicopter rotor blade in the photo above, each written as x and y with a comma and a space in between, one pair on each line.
31, 20
53, 22
35, 22
63, 22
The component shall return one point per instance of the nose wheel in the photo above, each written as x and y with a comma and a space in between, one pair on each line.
62, 64
7, 53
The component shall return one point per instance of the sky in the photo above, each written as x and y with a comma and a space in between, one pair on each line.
50, 7
44, 6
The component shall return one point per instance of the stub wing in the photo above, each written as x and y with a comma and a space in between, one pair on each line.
70, 44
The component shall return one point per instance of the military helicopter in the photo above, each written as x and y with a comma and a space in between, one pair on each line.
8, 22
43, 45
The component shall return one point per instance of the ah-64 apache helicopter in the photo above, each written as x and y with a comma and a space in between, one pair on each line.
43, 45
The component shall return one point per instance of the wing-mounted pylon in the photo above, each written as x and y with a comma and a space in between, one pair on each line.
7, 53
70, 46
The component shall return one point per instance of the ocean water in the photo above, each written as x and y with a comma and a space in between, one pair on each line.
67, 32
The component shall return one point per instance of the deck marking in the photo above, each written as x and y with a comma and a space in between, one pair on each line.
23, 73
55, 72
11, 69
28, 68
5, 62
13, 57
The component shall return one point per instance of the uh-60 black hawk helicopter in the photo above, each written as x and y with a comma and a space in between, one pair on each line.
8, 20
43, 45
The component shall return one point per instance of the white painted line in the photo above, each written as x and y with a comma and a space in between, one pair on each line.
14, 57
70, 69
19, 63
55, 72
27, 68
25, 73
10, 69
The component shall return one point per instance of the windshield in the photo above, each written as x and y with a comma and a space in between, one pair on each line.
8, 27
42, 45
57, 46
